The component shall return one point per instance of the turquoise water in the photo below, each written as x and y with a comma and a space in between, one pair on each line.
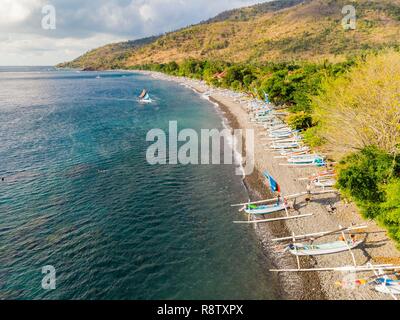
79, 195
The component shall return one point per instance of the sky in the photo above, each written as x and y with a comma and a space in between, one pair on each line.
32, 33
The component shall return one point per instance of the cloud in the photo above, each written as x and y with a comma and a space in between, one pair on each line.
84, 24
14, 12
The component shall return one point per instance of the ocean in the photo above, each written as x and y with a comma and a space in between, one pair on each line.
79, 195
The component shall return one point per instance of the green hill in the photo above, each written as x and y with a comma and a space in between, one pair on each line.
271, 31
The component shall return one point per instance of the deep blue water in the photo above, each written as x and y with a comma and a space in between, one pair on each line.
79, 195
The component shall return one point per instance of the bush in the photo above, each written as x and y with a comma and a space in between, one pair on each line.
300, 120
312, 137
361, 174
391, 209
371, 178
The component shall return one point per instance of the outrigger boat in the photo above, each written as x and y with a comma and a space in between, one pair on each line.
385, 285
305, 160
311, 249
388, 286
145, 97
283, 134
265, 209
285, 145
268, 209
290, 138
290, 152
324, 183
300, 249
320, 175
380, 281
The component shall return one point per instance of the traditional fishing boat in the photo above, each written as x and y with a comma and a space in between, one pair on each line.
265, 119
388, 286
280, 140
273, 124
283, 134
288, 154
325, 174
295, 151
276, 127
145, 97
285, 145
307, 157
324, 183
305, 160
300, 249
265, 209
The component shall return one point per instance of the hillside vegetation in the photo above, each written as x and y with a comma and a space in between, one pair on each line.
274, 31
358, 114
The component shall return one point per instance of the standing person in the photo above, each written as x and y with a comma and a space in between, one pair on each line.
279, 199
308, 188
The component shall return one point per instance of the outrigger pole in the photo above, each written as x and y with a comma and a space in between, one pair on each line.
288, 217
342, 269
273, 219
319, 234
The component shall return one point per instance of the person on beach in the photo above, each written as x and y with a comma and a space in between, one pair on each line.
2, 179
279, 199
352, 238
286, 203
308, 188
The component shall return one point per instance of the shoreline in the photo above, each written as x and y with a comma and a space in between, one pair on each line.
254, 183
378, 248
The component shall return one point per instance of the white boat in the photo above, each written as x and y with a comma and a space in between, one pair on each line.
288, 139
302, 160
286, 145
300, 249
389, 288
293, 152
307, 157
324, 183
277, 127
145, 97
265, 209
283, 134
265, 119
384, 284
326, 174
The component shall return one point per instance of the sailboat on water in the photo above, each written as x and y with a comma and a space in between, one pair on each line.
145, 97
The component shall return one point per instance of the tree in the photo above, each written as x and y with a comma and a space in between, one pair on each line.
363, 107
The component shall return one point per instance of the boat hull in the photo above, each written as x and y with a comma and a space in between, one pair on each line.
145, 101
315, 250
388, 289
265, 209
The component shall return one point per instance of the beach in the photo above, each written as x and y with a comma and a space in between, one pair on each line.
376, 249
